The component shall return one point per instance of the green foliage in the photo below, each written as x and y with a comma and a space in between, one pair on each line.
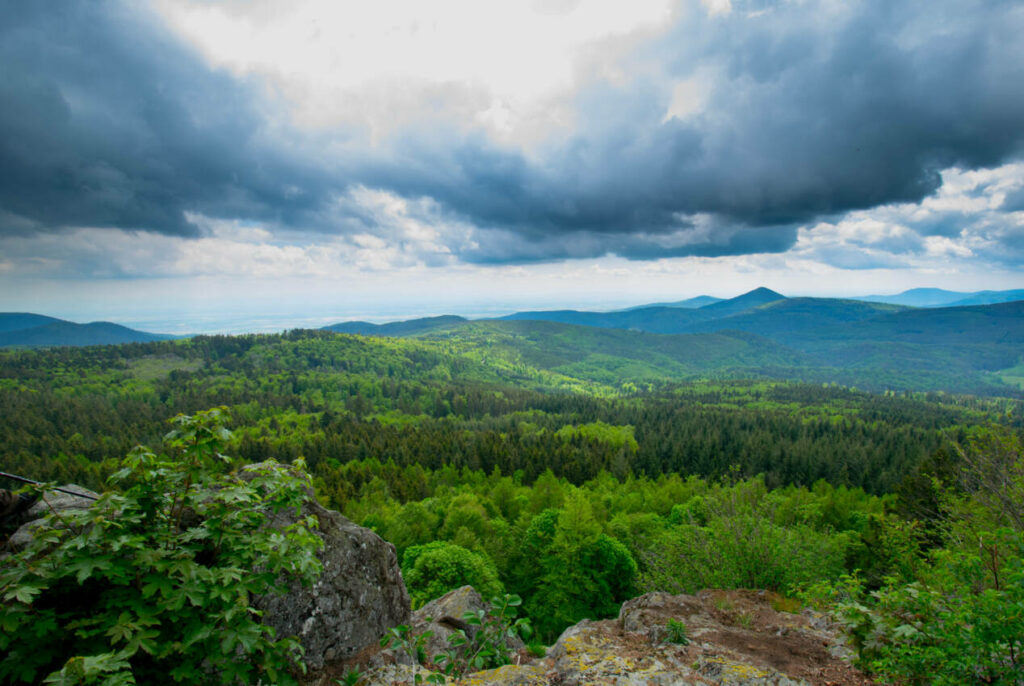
616, 436
583, 572
959, 619
747, 542
454, 401
580, 559
552, 456
489, 645
351, 677
157, 582
675, 632
948, 630
888, 548
404, 644
433, 569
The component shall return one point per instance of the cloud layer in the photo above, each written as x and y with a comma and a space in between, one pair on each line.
107, 120
735, 128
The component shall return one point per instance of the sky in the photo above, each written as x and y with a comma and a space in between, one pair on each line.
230, 165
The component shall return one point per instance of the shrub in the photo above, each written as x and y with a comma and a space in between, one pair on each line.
155, 583
742, 551
489, 646
433, 569
960, 618
947, 631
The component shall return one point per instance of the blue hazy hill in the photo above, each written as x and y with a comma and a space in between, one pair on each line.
19, 329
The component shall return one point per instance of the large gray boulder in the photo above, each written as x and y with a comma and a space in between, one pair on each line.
359, 595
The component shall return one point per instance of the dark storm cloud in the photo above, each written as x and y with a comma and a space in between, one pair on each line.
106, 120
811, 110
503, 246
814, 110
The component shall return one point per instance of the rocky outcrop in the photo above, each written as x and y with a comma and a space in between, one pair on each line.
357, 598
734, 638
359, 595
444, 616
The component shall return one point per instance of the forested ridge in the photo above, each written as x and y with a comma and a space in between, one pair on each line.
577, 492
335, 398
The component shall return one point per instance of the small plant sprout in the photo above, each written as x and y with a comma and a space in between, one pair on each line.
352, 677
401, 641
675, 632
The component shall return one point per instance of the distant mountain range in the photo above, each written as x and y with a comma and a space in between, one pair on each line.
23, 329
913, 345
877, 345
937, 297
761, 311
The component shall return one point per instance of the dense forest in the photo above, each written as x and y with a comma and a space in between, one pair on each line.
577, 492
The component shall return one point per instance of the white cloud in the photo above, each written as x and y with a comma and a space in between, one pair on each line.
962, 220
689, 96
940, 246
717, 7
377, 64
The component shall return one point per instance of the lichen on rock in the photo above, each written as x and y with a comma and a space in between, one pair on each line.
736, 638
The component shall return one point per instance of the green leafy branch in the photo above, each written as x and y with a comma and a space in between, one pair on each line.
156, 582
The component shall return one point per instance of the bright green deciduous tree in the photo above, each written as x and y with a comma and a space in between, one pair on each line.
433, 569
156, 583
585, 573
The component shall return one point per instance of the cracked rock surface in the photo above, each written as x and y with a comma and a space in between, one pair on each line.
735, 638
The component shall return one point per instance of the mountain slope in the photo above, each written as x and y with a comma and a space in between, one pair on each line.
871, 345
999, 324
689, 303
614, 356
950, 342
661, 319
64, 333
755, 298
990, 298
791, 318
403, 328
938, 297
917, 297
16, 321
650, 319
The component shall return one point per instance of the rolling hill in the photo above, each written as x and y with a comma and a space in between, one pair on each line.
16, 321
990, 298
791, 319
761, 333
19, 329
614, 356
938, 297
658, 319
650, 319
689, 303
741, 303
762, 311
404, 328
